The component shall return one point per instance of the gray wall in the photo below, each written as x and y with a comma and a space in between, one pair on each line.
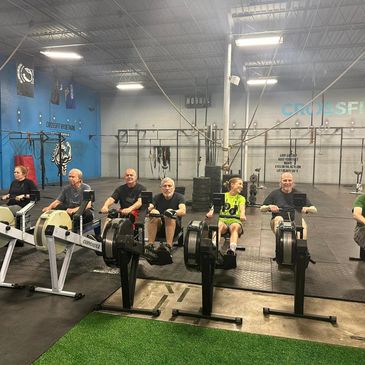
342, 108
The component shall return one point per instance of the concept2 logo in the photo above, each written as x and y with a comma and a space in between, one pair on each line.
329, 108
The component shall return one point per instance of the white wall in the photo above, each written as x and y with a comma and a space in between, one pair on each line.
342, 107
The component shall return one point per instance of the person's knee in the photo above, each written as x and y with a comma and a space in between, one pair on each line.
240, 231
222, 228
274, 224
154, 222
14, 209
276, 221
169, 222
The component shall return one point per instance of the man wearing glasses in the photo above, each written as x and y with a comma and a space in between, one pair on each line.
171, 207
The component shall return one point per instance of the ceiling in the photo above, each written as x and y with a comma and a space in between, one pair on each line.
184, 42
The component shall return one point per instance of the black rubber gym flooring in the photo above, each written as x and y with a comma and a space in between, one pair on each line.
31, 322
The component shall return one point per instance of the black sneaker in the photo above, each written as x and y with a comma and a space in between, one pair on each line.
164, 247
163, 253
149, 248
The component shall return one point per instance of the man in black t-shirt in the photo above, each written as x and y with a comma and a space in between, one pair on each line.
280, 203
128, 195
172, 206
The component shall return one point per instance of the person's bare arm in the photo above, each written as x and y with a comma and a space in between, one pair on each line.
107, 204
357, 215
53, 205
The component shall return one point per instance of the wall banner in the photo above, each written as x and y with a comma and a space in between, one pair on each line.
25, 78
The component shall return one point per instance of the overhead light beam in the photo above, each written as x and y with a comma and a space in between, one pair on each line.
254, 82
251, 41
62, 55
129, 86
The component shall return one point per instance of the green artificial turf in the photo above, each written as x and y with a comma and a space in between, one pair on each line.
108, 339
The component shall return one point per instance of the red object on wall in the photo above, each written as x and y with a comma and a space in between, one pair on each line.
27, 161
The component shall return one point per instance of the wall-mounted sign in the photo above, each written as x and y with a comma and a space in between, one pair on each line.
197, 101
328, 108
288, 162
56, 125
25, 78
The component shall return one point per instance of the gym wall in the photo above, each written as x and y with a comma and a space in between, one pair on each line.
21, 113
317, 155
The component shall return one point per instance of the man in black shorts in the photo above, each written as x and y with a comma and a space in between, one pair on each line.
172, 206
128, 195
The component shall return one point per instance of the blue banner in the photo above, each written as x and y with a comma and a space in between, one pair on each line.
70, 97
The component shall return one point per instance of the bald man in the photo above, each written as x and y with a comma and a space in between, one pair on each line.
280, 201
128, 195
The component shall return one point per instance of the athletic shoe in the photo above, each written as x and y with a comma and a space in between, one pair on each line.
164, 247
230, 252
149, 248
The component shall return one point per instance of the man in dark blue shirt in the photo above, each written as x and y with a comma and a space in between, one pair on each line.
172, 206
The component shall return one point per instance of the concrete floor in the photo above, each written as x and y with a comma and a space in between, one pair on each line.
349, 330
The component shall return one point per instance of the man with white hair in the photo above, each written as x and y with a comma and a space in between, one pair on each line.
172, 206
71, 196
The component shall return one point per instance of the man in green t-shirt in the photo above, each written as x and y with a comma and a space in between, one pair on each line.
359, 215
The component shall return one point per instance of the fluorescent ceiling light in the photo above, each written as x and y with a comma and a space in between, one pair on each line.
129, 86
259, 41
262, 81
62, 55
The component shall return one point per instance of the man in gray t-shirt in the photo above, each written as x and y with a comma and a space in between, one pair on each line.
71, 196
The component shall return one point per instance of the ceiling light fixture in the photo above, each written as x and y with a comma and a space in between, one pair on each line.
255, 82
62, 55
130, 86
264, 40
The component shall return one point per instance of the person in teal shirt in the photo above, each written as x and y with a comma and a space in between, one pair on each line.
232, 214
